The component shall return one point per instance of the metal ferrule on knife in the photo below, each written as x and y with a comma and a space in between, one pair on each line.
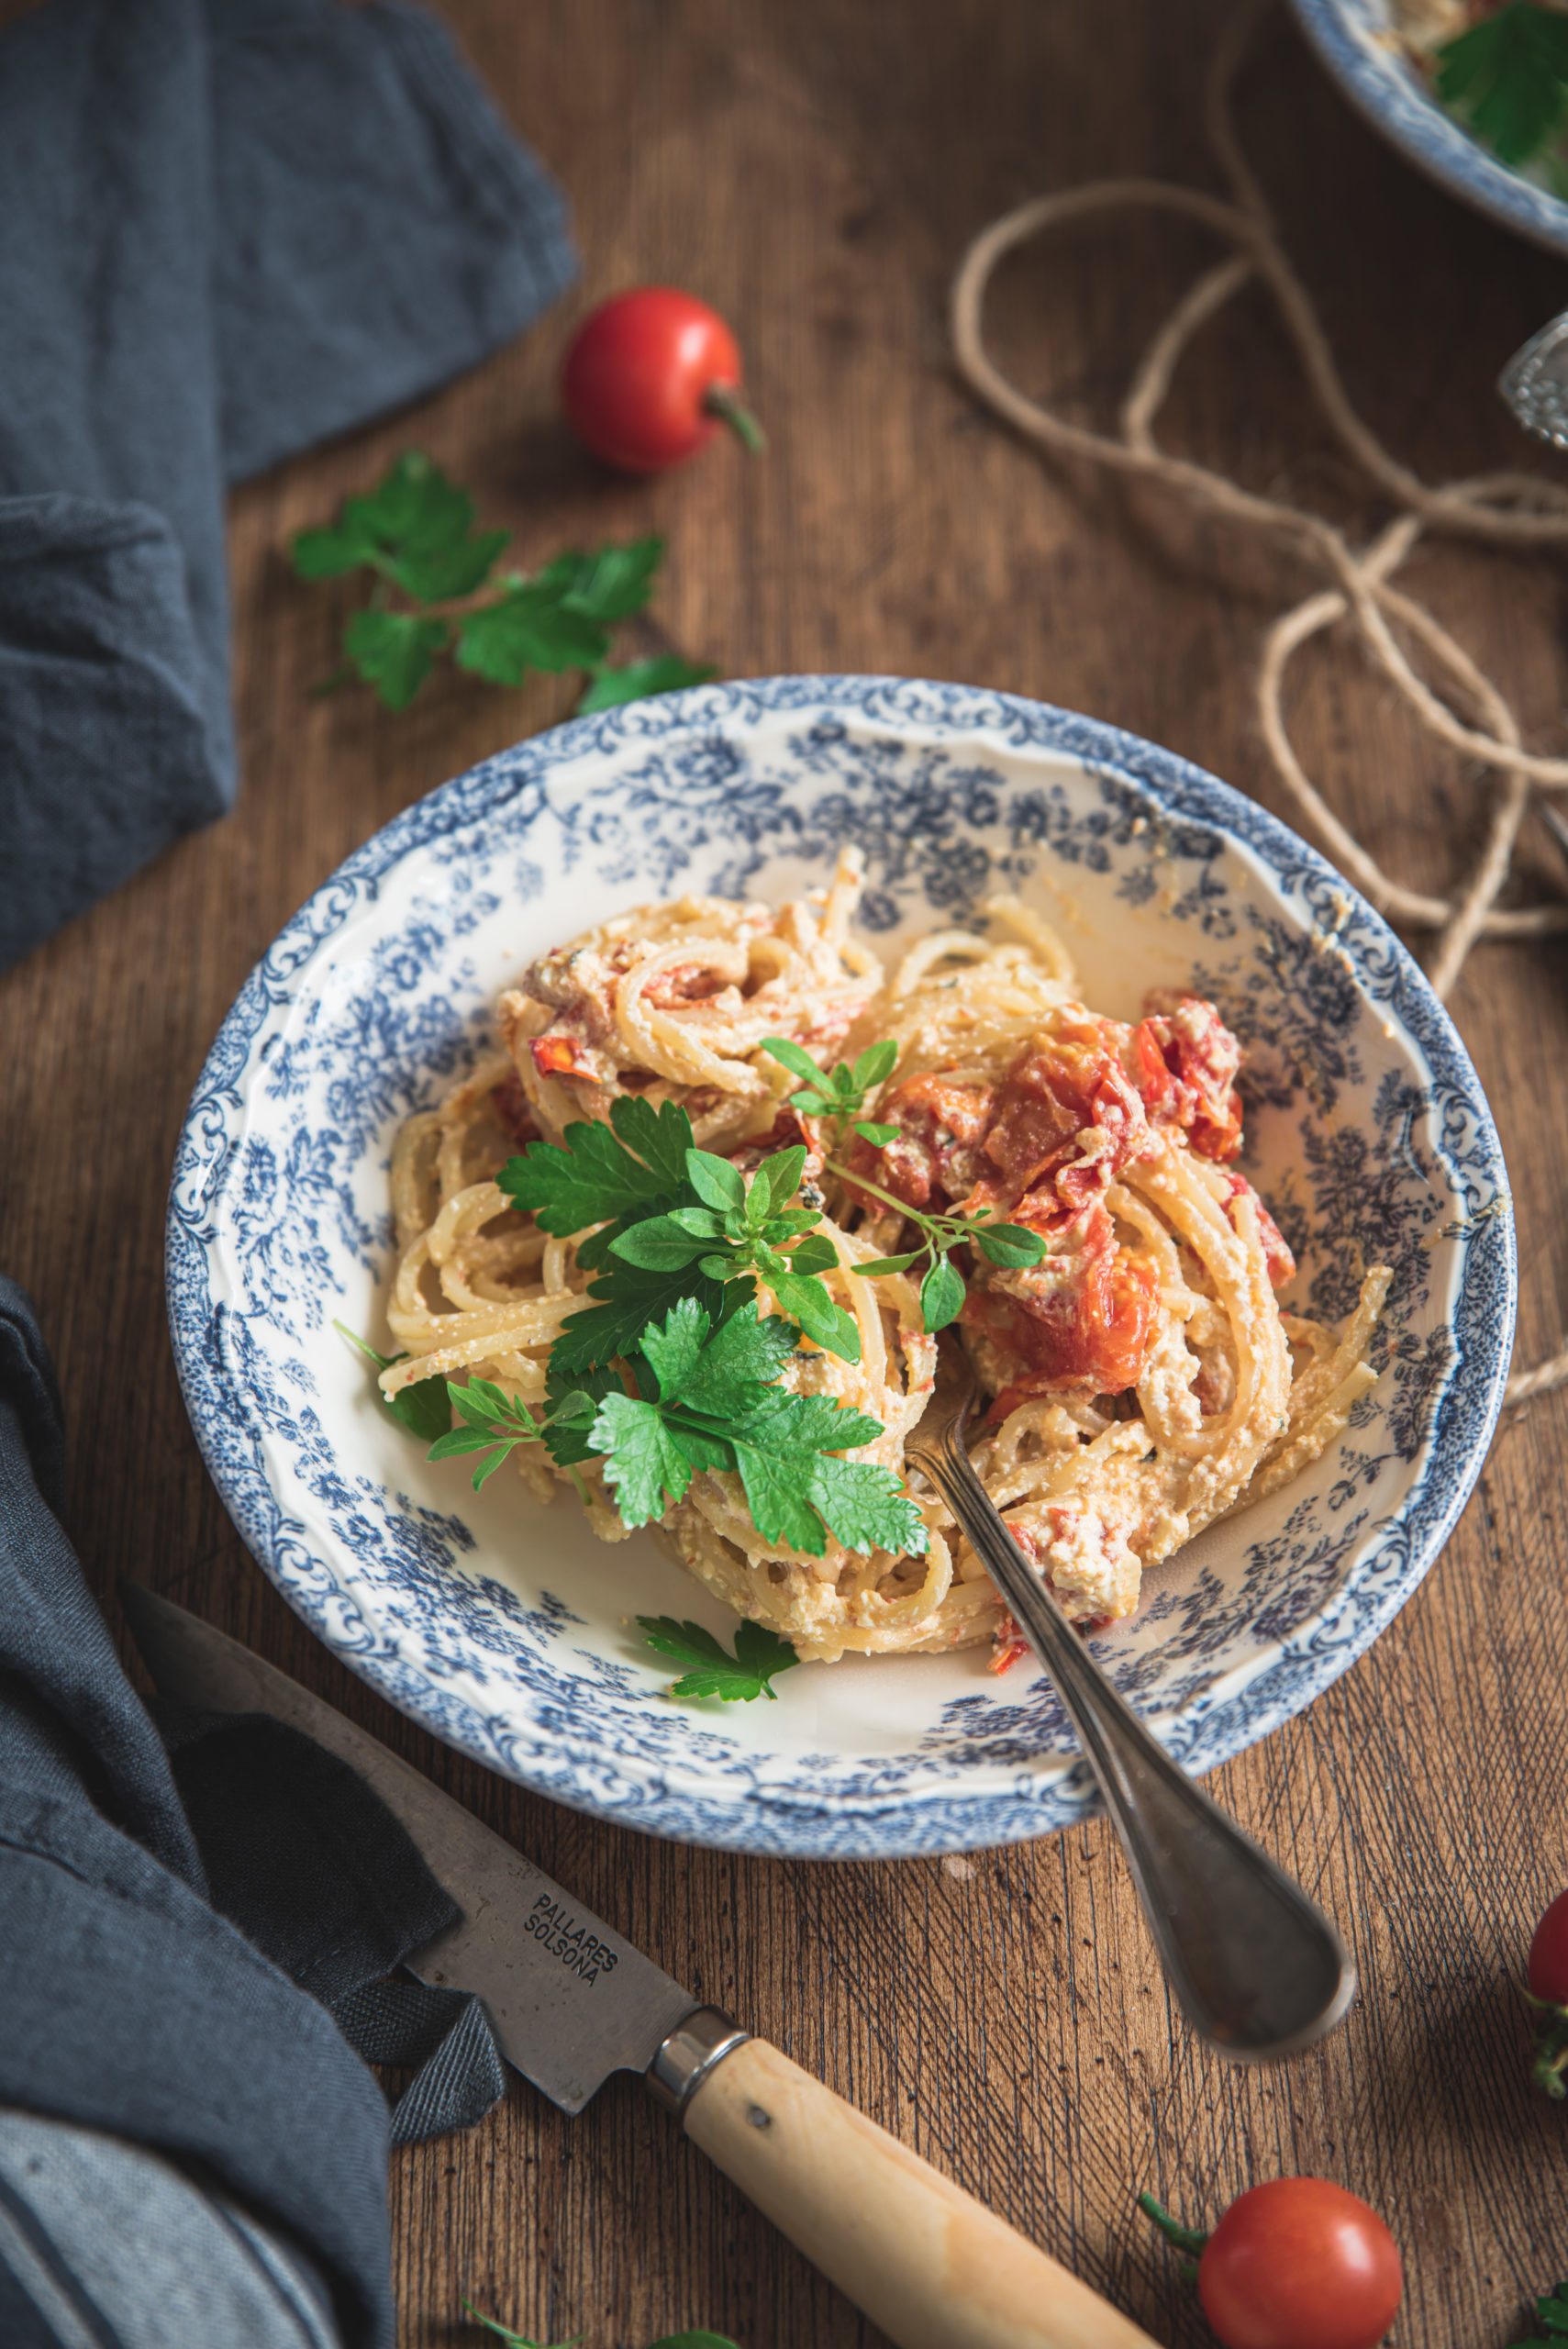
571, 2001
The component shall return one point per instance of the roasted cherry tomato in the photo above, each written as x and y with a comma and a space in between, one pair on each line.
1547, 1973
650, 376
1299, 2263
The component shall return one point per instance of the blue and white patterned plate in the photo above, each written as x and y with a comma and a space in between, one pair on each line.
506, 1628
1354, 40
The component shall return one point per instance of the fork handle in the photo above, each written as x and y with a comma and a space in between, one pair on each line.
1257, 1968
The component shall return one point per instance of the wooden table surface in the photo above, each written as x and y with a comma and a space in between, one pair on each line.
816, 170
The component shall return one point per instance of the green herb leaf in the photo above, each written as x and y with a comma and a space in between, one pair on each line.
394, 652
816, 1253
634, 1167
659, 1245
608, 584
724, 1410
433, 574
328, 553
666, 672
422, 1408
880, 1135
495, 1423
1009, 1243
877, 1062
740, 1363
573, 1399
875, 1267
674, 1351
626, 1303
644, 1463
527, 627
808, 1302
1552, 2315
778, 1178
715, 1181
760, 1657
795, 1057
941, 1295
518, 2341
1509, 74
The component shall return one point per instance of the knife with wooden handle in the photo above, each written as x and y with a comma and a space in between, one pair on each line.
572, 2002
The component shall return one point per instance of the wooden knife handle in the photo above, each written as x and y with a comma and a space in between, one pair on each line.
927, 2262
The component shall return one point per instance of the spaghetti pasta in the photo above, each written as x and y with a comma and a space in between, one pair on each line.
1143, 1381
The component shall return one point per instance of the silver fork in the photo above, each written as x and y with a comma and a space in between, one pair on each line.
1535, 382
1257, 1968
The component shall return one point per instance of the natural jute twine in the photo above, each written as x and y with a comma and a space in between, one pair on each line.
1513, 510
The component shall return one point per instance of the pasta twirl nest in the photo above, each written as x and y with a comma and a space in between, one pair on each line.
1142, 1378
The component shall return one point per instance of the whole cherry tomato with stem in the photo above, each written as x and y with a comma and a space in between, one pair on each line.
1547, 1975
651, 375
1297, 2263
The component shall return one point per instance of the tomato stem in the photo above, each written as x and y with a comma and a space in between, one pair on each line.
724, 401
1186, 2238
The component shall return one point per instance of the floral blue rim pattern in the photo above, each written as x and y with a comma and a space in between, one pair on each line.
868, 1812
1351, 37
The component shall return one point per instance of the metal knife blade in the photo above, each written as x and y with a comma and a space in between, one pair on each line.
571, 2001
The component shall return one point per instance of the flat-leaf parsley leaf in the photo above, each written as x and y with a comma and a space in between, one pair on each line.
1509, 74
422, 1408
415, 531
717, 1412
759, 1655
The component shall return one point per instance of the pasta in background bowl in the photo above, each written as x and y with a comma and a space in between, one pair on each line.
507, 1627
1369, 46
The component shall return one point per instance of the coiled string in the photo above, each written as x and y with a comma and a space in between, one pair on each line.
1512, 510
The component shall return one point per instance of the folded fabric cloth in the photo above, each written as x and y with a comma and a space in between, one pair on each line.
158, 1918
229, 229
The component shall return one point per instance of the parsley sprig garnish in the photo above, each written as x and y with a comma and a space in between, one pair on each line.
838, 1094
421, 1407
740, 1228
415, 531
716, 1403
1508, 74
670, 1368
680, 1222
943, 1291
712, 1671
495, 1423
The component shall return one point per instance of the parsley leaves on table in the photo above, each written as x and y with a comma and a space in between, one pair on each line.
611, 686
1508, 74
698, 2339
712, 1671
422, 1408
415, 531
1551, 2316
838, 1094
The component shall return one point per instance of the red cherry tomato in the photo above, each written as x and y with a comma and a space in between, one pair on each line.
1548, 1969
1299, 2263
650, 376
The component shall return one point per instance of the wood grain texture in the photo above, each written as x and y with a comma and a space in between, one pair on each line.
816, 170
